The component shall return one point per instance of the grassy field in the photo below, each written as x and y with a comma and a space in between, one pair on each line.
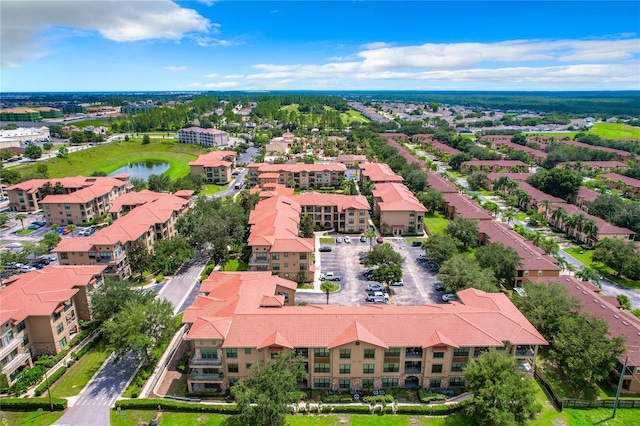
435, 222
76, 377
557, 135
521, 216
110, 157
586, 258
212, 188
352, 116
30, 418
327, 240
615, 131
235, 265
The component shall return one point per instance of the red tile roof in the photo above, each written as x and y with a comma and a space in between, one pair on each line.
435, 181
342, 202
466, 207
513, 176
379, 172
604, 227
615, 177
215, 159
587, 194
298, 167
40, 292
396, 197
537, 195
482, 319
105, 183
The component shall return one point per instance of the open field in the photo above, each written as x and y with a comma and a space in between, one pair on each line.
110, 157
29, 418
615, 131
352, 116
76, 377
435, 222
235, 265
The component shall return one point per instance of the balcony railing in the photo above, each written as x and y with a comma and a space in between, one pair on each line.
195, 361
413, 355
412, 369
206, 377
525, 351
256, 259
8, 348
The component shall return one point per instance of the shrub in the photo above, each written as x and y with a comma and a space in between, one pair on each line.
159, 278
351, 409
379, 398
52, 379
182, 365
436, 410
428, 397
177, 406
33, 404
27, 378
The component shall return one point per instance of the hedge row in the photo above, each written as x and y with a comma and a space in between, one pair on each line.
436, 410
52, 379
379, 399
347, 409
169, 405
428, 397
32, 404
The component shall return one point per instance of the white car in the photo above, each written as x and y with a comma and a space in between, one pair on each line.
448, 297
27, 268
347, 240
338, 240
14, 245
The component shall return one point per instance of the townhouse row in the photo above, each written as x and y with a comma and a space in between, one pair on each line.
40, 313
242, 318
299, 175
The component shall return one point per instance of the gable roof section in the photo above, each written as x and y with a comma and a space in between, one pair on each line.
379, 172
396, 197
356, 332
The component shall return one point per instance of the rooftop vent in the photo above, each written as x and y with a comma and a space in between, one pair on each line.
615, 316
625, 323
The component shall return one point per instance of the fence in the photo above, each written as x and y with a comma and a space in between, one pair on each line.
603, 403
557, 402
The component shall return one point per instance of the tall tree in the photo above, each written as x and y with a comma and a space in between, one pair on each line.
440, 247
387, 273
383, 253
614, 253
477, 180
138, 257
110, 297
326, 287
21, 217
159, 183
464, 230
432, 199
265, 395
502, 394
306, 226
462, 272
140, 327
502, 260
33, 152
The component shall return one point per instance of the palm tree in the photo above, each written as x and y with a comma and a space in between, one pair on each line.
523, 199
55, 227
501, 183
21, 217
590, 228
371, 234
563, 263
549, 245
71, 227
326, 287
509, 214
559, 217
545, 203
588, 274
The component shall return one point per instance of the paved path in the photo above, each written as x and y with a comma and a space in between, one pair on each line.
93, 405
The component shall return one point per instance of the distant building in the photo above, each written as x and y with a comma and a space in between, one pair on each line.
136, 108
29, 114
302, 175
203, 137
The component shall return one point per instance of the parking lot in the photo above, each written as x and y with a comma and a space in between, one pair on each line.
343, 260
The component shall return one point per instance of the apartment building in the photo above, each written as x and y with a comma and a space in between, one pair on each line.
93, 196
147, 217
593, 166
621, 323
215, 166
461, 205
535, 155
242, 319
301, 175
344, 213
352, 160
533, 261
439, 183
494, 166
399, 210
629, 186
517, 177
29, 114
378, 173
40, 313
559, 216
585, 196
537, 200
274, 241
204, 137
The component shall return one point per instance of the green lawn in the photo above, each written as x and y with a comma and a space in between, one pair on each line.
486, 192
586, 258
435, 222
352, 116
110, 157
235, 265
602, 417
327, 240
29, 418
76, 377
212, 188
521, 216
615, 131
25, 231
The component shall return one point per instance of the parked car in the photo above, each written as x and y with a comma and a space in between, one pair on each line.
347, 240
66, 231
378, 294
338, 240
448, 297
325, 249
34, 226
397, 283
40, 222
361, 257
38, 265
438, 287
363, 239
27, 268
416, 243
368, 273
377, 300
329, 276
374, 287
14, 245
379, 240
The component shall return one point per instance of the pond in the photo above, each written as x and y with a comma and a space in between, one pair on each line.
143, 169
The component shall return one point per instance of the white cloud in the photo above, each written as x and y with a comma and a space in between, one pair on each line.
206, 41
210, 76
235, 76
376, 45
23, 22
223, 85
208, 2
565, 62
175, 68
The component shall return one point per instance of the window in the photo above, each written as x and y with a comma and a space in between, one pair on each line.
391, 367
303, 256
303, 266
345, 353
64, 256
208, 353
63, 342
248, 366
321, 352
435, 383
321, 367
389, 383
25, 340
275, 256
458, 366
456, 381
321, 382
438, 354
345, 368
275, 266
392, 353
232, 353
461, 352
247, 351
368, 368
367, 383
232, 381
344, 383
21, 326
436, 368
60, 328
232, 368
210, 371
369, 354
56, 316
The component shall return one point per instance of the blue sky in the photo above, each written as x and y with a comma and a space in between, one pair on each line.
84, 45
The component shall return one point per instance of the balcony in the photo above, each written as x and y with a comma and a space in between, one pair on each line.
13, 344
413, 354
524, 351
258, 259
197, 361
206, 377
412, 367
16, 362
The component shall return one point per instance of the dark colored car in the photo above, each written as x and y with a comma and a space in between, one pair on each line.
416, 243
325, 249
379, 240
